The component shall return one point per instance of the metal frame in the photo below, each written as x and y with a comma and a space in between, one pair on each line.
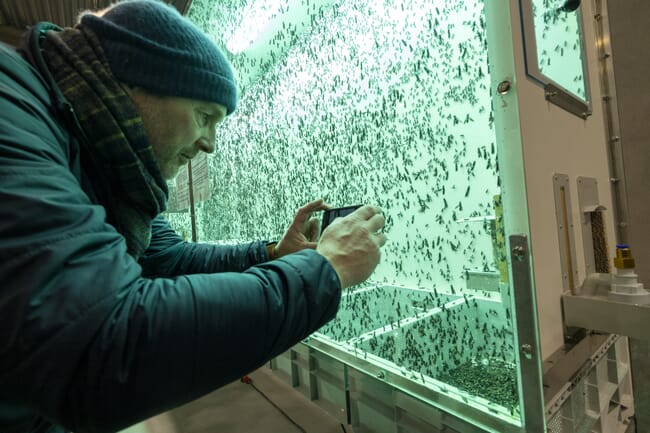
529, 355
553, 91
564, 369
435, 394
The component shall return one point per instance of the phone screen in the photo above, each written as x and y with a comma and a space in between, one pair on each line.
331, 214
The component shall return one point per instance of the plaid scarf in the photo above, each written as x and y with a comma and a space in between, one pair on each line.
123, 167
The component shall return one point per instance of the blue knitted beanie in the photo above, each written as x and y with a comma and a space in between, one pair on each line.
151, 45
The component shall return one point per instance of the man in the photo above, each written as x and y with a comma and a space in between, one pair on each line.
106, 316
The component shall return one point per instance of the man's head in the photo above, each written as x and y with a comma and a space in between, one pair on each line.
180, 81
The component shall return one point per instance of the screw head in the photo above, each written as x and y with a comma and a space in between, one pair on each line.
504, 87
519, 253
526, 350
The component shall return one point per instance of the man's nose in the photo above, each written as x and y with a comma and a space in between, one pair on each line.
206, 142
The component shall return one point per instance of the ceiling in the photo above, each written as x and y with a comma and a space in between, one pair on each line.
16, 15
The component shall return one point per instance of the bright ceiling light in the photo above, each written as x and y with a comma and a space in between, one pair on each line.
257, 16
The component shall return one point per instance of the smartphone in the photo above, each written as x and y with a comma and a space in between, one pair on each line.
331, 214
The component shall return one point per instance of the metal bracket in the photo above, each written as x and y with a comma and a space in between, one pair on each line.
566, 101
565, 235
599, 313
529, 355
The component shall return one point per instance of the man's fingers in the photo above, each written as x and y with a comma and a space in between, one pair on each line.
313, 206
376, 222
381, 239
314, 229
305, 212
366, 212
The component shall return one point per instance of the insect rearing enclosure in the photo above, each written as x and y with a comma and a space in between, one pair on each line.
422, 107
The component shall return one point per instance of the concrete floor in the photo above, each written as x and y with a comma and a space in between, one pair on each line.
265, 405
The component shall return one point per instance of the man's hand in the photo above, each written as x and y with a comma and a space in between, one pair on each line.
352, 244
303, 231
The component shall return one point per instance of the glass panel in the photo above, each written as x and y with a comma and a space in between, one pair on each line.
383, 102
556, 45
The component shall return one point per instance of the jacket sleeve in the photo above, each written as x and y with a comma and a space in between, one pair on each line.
85, 340
169, 255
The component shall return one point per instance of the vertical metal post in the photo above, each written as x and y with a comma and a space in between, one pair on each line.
346, 385
529, 354
612, 122
191, 193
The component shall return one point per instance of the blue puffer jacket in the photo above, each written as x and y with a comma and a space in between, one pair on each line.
90, 340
